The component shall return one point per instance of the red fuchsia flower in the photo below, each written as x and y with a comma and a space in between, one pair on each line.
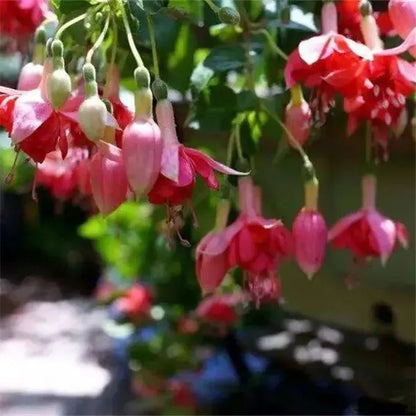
349, 18
182, 395
403, 15
180, 164
258, 244
219, 310
298, 116
187, 325
310, 233
135, 303
328, 55
60, 175
19, 18
142, 143
367, 233
108, 178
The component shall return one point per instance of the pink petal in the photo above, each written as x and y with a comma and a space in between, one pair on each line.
216, 244
112, 122
11, 91
203, 158
293, 63
30, 112
352, 104
352, 125
315, 48
407, 70
170, 161
384, 232
343, 224
407, 44
402, 234
359, 49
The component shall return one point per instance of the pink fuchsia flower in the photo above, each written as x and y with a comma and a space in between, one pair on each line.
135, 303
257, 244
310, 233
60, 175
298, 116
403, 15
367, 233
180, 165
142, 144
108, 178
19, 18
211, 253
264, 289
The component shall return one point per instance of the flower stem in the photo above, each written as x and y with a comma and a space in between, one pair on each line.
153, 43
112, 59
272, 43
130, 39
238, 143
212, 5
306, 161
98, 42
230, 148
69, 24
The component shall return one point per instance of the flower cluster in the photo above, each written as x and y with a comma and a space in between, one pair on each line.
374, 82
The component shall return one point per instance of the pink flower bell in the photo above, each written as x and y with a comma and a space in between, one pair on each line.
310, 233
298, 117
108, 178
211, 253
367, 233
142, 144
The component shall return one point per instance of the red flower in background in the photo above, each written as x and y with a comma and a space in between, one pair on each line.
19, 18
136, 302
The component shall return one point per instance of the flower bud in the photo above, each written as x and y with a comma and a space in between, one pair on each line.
298, 117
329, 18
369, 27
108, 178
229, 16
59, 82
160, 89
310, 233
92, 113
30, 76
142, 77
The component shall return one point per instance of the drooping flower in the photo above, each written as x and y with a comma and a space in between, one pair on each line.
181, 164
328, 55
264, 289
60, 175
141, 143
367, 233
258, 244
20, 18
309, 233
298, 116
108, 178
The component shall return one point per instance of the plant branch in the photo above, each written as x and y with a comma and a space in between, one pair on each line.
69, 24
99, 41
153, 43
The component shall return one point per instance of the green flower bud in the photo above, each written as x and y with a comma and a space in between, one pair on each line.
92, 116
59, 88
229, 16
142, 77
88, 70
365, 8
160, 89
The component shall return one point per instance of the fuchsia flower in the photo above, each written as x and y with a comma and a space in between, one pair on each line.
310, 233
264, 289
258, 244
298, 117
367, 233
142, 144
403, 15
108, 178
136, 302
180, 165
59, 175
327, 55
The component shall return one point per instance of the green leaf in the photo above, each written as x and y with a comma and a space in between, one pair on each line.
68, 6
150, 6
191, 9
225, 58
181, 61
200, 77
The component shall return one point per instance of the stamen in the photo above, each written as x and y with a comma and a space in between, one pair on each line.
10, 175
376, 90
193, 213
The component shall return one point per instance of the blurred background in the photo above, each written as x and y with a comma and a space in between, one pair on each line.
98, 314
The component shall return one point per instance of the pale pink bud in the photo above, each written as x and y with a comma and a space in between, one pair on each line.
298, 118
310, 233
108, 178
329, 18
30, 76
